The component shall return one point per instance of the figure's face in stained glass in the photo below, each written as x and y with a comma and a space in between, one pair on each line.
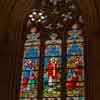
33, 36
33, 30
53, 36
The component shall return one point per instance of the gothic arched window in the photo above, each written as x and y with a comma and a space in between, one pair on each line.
53, 62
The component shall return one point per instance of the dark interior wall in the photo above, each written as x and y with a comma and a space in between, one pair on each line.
5, 10
95, 63
90, 10
12, 16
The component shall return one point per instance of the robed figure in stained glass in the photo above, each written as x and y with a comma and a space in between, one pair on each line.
52, 70
52, 66
30, 71
75, 64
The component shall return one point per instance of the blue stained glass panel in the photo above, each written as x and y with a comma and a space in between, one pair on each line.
30, 52
75, 48
53, 50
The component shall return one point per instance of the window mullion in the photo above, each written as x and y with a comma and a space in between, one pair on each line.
63, 95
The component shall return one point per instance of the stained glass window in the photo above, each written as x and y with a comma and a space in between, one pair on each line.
75, 79
53, 62
30, 70
52, 66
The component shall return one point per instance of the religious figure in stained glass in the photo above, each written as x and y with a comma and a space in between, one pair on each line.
30, 71
52, 66
52, 70
75, 64
46, 65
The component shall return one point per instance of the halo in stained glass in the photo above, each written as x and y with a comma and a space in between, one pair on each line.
48, 59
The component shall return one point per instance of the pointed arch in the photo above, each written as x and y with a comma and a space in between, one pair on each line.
47, 56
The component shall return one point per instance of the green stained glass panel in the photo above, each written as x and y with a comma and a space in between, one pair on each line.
52, 89
75, 92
